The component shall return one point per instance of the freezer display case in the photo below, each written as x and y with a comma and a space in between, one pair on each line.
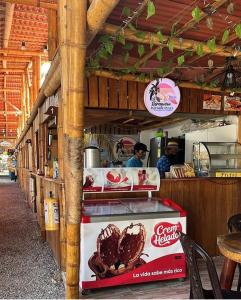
217, 159
125, 241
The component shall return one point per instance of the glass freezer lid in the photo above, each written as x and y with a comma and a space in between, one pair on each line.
146, 205
125, 207
105, 209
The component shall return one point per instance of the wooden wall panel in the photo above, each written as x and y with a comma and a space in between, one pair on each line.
86, 93
93, 92
140, 100
209, 204
103, 92
120, 94
123, 100
132, 94
113, 93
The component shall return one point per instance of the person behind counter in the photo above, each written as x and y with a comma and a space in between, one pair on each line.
140, 150
165, 161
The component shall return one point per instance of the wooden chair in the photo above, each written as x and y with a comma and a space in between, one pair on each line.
192, 251
234, 225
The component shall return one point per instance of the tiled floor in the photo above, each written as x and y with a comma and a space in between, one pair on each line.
27, 269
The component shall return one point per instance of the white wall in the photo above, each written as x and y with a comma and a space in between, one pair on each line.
227, 133
218, 134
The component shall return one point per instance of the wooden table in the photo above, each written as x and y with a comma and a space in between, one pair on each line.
230, 247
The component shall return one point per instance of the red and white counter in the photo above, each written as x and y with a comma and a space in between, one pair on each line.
125, 241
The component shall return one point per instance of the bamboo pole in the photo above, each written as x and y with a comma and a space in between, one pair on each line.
109, 74
97, 14
62, 236
52, 33
73, 51
152, 37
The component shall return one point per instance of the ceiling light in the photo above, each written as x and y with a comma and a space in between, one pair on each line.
229, 78
45, 48
23, 45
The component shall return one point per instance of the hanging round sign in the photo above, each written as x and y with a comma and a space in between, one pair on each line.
162, 97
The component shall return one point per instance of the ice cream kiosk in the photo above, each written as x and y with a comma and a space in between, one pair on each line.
129, 240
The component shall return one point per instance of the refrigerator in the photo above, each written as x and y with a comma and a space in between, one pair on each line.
130, 240
157, 149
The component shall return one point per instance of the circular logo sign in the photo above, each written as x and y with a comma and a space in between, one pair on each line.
162, 97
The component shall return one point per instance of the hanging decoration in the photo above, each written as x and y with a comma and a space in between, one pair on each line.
162, 97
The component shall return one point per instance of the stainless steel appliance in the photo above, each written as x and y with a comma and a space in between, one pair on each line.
92, 157
217, 159
157, 149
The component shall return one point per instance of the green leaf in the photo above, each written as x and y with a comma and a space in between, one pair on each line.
196, 14
140, 34
160, 36
128, 46
238, 30
102, 53
109, 47
126, 11
151, 10
104, 39
199, 49
126, 57
170, 45
142, 76
160, 71
225, 36
151, 42
132, 27
211, 44
159, 54
121, 39
180, 60
141, 50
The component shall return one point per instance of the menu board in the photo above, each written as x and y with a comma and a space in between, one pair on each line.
121, 179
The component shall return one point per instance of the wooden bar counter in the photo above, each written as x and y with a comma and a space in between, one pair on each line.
209, 203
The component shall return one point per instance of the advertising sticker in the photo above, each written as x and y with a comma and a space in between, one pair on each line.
130, 252
232, 103
145, 179
118, 179
93, 182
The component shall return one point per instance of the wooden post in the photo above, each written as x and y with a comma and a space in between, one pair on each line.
36, 77
52, 33
73, 53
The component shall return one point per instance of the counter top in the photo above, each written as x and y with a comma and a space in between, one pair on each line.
201, 178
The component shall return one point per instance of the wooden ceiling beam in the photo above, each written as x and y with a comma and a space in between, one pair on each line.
109, 74
21, 52
10, 113
149, 37
7, 122
11, 70
37, 3
15, 59
12, 90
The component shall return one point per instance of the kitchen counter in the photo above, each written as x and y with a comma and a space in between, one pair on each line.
209, 202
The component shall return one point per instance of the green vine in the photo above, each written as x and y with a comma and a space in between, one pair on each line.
107, 44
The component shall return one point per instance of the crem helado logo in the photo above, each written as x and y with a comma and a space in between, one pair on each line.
165, 234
